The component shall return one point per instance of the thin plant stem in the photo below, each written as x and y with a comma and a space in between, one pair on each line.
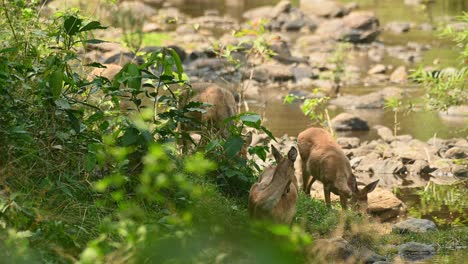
9, 21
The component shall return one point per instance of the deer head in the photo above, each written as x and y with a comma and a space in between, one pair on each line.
359, 196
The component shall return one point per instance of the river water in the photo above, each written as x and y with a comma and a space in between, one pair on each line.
288, 119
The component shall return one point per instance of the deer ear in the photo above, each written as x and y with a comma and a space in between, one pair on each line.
248, 138
276, 154
292, 154
370, 187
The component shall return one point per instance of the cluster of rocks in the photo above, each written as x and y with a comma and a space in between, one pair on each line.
300, 62
339, 249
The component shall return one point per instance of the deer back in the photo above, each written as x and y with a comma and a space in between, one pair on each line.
274, 196
324, 160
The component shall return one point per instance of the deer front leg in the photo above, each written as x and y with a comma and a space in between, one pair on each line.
326, 192
309, 184
305, 176
343, 201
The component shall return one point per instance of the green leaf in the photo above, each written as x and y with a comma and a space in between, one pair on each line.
134, 80
268, 132
90, 161
72, 25
75, 122
178, 63
233, 145
96, 116
280, 230
260, 151
250, 117
62, 104
92, 26
130, 137
56, 83
212, 145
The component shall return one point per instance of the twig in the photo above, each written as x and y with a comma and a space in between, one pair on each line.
9, 21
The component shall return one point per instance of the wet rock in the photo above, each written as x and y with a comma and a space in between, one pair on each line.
419, 167
283, 6
368, 101
251, 89
259, 13
363, 27
406, 53
338, 249
456, 153
376, 54
136, 9
376, 79
442, 172
317, 47
400, 75
410, 150
384, 204
304, 72
214, 22
460, 110
366, 255
210, 63
459, 170
388, 166
403, 138
348, 122
416, 251
366, 162
326, 86
414, 225
426, 27
348, 142
379, 68
274, 72
357, 27
384, 132
323, 8
398, 27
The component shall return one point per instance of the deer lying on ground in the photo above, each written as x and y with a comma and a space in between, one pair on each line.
222, 101
222, 106
323, 160
274, 195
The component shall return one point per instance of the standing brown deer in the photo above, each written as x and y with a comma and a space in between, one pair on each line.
274, 195
323, 160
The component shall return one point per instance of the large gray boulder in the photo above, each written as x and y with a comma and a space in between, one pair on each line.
323, 8
348, 122
388, 166
416, 251
414, 225
368, 101
357, 27
385, 205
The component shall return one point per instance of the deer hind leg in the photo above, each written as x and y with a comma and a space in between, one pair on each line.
343, 201
326, 192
